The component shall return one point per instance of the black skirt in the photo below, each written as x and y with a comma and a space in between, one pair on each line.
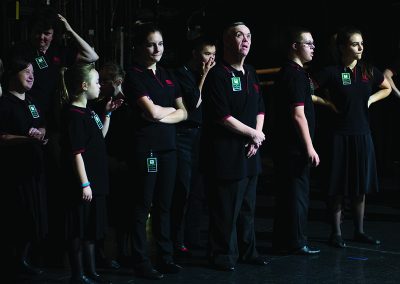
353, 166
87, 220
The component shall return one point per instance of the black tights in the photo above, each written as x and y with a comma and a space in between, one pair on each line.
75, 257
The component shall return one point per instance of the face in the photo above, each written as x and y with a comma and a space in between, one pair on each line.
43, 39
305, 47
354, 47
153, 48
111, 88
25, 78
93, 86
238, 40
206, 53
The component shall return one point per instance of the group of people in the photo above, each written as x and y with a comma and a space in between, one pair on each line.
206, 117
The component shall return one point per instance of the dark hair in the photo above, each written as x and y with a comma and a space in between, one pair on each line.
142, 30
110, 71
229, 25
14, 66
44, 18
198, 43
71, 81
292, 35
343, 38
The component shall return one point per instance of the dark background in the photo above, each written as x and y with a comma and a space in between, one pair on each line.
267, 20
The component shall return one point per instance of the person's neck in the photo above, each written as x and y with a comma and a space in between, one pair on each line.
18, 94
297, 60
236, 62
43, 49
350, 63
81, 102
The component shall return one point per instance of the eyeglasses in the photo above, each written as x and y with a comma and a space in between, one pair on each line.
310, 44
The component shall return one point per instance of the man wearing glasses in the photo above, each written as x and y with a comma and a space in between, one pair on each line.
294, 153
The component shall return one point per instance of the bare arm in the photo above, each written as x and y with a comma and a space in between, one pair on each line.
82, 177
389, 77
384, 91
178, 115
205, 69
256, 136
152, 111
302, 125
325, 102
259, 126
86, 52
110, 107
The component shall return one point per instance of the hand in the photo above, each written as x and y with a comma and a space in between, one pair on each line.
207, 66
113, 104
257, 137
313, 157
252, 150
87, 194
65, 22
36, 133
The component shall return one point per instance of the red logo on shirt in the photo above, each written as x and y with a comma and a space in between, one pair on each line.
169, 82
56, 60
256, 88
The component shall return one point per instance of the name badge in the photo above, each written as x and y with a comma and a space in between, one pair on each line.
33, 110
97, 120
152, 165
236, 84
41, 62
346, 79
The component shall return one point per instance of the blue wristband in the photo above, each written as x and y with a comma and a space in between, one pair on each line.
86, 184
108, 114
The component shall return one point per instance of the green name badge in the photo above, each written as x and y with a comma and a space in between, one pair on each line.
346, 79
152, 165
41, 62
97, 120
33, 110
236, 84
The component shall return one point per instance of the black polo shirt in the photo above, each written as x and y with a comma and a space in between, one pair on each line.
80, 134
188, 81
22, 159
163, 90
223, 151
46, 78
293, 87
351, 97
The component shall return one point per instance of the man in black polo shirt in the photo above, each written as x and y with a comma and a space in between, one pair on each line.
233, 118
293, 130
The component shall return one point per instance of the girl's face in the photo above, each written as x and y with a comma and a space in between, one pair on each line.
25, 78
153, 48
354, 47
93, 85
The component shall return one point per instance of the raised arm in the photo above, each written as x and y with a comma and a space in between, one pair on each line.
86, 52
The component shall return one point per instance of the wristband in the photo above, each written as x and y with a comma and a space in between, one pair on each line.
86, 184
108, 114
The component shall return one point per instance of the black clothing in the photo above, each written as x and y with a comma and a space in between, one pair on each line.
230, 177
353, 166
81, 135
293, 88
155, 140
223, 152
23, 176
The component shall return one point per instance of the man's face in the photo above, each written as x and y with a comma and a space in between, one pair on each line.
42, 39
238, 40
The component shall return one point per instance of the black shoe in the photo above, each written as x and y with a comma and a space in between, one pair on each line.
26, 268
98, 278
148, 272
259, 260
169, 267
364, 238
82, 280
337, 241
306, 250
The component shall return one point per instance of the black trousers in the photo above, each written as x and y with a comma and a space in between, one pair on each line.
187, 179
292, 187
153, 192
231, 225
